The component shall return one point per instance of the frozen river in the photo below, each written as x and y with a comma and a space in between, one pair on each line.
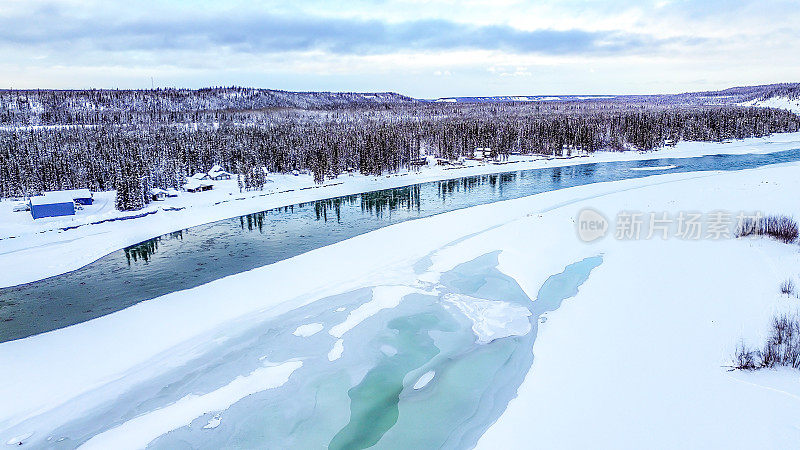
208, 252
428, 365
429, 360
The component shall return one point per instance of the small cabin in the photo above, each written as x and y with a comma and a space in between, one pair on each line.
216, 173
200, 176
172, 192
197, 186
482, 153
82, 196
157, 194
21, 206
79, 196
52, 204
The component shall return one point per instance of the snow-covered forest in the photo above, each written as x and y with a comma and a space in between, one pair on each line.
134, 140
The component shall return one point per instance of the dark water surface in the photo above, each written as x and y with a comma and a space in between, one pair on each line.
201, 254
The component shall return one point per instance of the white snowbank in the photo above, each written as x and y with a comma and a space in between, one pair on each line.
667, 167
637, 359
424, 380
309, 329
336, 351
383, 297
138, 432
17, 440
492, 319
213, 422
39, 250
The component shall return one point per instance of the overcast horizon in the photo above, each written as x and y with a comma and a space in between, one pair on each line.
423, 49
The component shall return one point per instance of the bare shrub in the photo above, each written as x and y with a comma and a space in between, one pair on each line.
745, 359
787, 287
782, 348
782, 228
768, 355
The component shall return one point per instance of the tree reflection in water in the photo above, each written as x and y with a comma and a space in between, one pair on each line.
252, 222
321, 207
448, 188
379, 202
144, 251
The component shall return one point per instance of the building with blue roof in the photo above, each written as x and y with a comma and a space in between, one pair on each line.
52, 204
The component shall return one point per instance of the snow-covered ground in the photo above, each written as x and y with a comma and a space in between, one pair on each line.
640, 357
777, 102
32, 250
637, 359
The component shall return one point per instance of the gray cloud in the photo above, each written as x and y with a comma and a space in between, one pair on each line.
266, 33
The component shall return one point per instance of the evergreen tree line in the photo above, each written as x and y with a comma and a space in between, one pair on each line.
372, 140
49, 107
98, 106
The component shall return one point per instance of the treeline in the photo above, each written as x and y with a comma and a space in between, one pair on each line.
372, 140
108, 106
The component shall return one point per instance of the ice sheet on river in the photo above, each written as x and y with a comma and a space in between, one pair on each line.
138, 432
412, 360
492, 319
191, 343
399, 355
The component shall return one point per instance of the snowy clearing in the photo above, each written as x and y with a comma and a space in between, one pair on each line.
777, 102
39, 249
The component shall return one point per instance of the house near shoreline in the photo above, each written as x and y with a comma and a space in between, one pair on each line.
193, 185
157, 194
59, 203
482, 153
79, 196
52, 204
216, 173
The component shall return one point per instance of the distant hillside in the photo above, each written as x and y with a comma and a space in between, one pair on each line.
735, 95
763, 92
214, 105
133, 141
42, 102
521, 98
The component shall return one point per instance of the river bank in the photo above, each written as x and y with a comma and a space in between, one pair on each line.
653, 326
32, 250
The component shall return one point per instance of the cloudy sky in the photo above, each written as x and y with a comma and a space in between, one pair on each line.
422, 48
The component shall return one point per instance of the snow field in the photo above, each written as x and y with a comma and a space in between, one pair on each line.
636, 359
